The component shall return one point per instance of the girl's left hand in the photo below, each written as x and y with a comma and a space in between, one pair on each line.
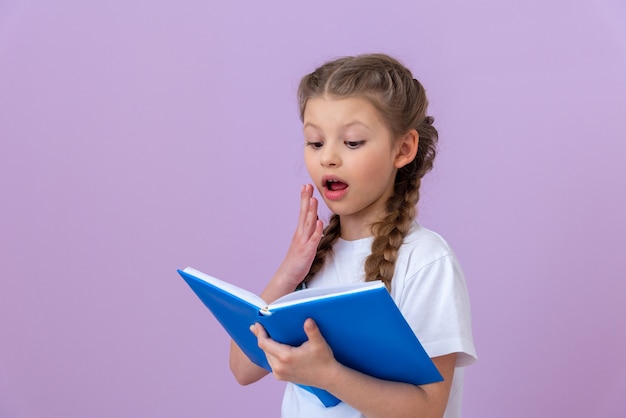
309, 364
304, 242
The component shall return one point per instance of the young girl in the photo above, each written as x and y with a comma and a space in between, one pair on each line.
368, 143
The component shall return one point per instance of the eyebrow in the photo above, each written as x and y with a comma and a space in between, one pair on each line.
345, 126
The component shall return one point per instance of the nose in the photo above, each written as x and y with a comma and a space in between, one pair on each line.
330, 157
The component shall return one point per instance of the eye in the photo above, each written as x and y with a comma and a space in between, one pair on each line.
353, 144
314, 144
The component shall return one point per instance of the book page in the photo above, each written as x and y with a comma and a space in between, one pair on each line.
323, 292
228, 288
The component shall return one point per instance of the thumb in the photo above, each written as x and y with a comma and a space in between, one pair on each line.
312, 330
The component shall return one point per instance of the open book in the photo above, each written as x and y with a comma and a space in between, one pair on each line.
360, 322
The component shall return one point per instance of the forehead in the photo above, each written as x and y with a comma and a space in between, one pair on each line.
329, 112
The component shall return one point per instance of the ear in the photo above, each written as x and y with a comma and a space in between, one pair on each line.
406, 148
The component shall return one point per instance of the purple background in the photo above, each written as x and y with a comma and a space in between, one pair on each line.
138, 137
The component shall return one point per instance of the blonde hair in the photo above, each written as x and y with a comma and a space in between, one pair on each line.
401, 102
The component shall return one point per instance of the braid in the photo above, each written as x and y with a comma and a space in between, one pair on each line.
389, 233
401, 209
331, 233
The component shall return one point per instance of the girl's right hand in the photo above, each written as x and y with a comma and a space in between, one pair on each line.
304, 242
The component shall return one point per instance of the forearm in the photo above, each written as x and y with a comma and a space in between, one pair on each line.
376, 398
244, 370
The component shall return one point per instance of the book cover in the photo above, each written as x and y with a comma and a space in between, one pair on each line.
361, 323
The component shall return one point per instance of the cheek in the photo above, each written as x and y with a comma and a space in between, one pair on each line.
374, 171
369, 167
310, 163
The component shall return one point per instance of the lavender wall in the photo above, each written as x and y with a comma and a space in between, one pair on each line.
137, 137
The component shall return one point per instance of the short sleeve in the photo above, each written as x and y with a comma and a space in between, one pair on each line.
435, 302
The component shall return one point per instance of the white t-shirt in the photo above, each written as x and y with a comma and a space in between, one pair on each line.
429, 288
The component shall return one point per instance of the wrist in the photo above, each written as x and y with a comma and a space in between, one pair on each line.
278, 286
289, 277
333, 376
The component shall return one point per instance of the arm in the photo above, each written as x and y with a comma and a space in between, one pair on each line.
313, 364
291, 272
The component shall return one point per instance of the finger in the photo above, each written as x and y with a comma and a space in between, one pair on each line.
312, 331
266, 343
263, 337
305, 202
258, 330
311, 217
317, 234
253, 330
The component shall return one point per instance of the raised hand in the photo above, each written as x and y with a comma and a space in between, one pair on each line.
304, 242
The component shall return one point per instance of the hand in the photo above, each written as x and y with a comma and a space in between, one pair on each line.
309, 364
301, 253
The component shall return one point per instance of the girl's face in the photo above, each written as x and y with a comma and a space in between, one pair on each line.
351, 158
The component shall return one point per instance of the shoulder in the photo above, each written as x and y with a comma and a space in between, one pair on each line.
422, 247
426, 264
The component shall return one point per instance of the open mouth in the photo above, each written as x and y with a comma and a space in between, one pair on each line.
335, 185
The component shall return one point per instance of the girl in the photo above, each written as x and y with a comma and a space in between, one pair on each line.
368, 143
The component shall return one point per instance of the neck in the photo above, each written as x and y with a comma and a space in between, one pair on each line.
353, 228
355, 235
359, 225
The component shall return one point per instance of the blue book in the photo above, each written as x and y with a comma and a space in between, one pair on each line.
361, 323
